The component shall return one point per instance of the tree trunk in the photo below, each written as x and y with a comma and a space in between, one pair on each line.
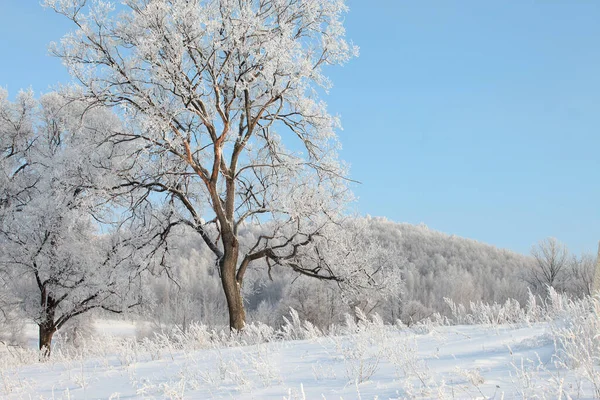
231, 287
47, 330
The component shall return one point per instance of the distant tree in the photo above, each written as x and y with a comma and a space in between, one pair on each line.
54, 264
552, 264
225, 125
582, 275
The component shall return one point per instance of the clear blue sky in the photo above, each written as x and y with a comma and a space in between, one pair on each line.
477, 118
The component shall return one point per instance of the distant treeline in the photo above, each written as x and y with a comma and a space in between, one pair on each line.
433, 266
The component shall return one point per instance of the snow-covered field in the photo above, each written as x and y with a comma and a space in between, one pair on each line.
376, 361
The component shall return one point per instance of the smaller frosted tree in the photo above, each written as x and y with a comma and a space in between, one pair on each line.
582, 275
552, 263
54, 263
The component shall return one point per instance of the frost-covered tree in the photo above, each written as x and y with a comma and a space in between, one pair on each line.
54, 263
582, 275
552, 263
225, 125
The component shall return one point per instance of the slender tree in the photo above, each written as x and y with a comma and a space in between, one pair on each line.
552, 262
581, 275
224, 124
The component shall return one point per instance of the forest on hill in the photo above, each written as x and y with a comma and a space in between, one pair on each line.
430, 266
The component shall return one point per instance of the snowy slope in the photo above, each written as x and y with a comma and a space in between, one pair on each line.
443, 362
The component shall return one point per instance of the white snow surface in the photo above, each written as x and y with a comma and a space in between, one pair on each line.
470, 362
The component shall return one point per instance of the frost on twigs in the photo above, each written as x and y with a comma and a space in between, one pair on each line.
55, 262
224, 126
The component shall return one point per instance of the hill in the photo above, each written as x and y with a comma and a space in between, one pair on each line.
431, 266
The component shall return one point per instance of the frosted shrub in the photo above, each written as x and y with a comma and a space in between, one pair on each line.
11, 383
488, 314
561, 306
362, 349
127, 352
459, 312
261, 362
174, 390
554, 306
495, 314
473, 382
195, 337
198, 336
13, 356
556, 303
361, 357
401, 352
428, 324
292, 328
360, 323
524, 380
257, 333
578, 340
295, 329
533, 310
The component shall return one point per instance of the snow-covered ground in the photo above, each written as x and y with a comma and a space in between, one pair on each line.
453, 362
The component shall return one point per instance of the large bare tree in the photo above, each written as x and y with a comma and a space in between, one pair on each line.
225, 125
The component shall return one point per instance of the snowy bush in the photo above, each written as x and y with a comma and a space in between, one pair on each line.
577, 338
